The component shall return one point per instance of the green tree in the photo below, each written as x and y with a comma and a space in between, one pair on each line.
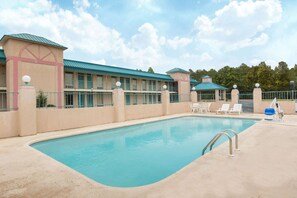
282, 76
150, 69
226, 77
241, 80
266, 77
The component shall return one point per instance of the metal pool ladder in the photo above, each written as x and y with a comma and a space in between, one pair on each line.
220, 134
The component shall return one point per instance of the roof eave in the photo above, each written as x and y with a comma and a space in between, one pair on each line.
6, 37
114, 73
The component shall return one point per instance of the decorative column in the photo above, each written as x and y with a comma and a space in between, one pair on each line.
217, 95
165, 101
257, 100
234, 96
193, 96
119, 103
27, 108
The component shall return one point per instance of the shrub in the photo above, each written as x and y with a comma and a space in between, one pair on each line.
41, 100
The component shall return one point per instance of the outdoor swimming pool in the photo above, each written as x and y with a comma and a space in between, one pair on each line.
140, 154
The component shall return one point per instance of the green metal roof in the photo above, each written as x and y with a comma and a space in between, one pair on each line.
2, 56
193, 81
206, 76
105, 69
208, 86
177, 70
32, 38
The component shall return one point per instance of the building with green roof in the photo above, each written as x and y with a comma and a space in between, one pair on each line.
207, 90
42, 59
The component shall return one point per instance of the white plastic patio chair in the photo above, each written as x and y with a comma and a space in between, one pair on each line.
195, 107
224, 109
237, 108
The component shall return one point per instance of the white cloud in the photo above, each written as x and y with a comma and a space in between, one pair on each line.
248, 42
82, 31
149, 5
205, 57
237, 24
271, 62
100, 61
81, 4
177, 42
146, 37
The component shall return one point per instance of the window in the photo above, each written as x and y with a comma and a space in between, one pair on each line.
68, 100
127, 99
154, 99
90, 81
134, 99
143, 85
69, 83
99, 82
144, 99
81, 81
2, 76
170, 86
134, 84
154, 85
150, 99
99, 97
113, 82
122, 81
159, 98
127, 83
90, 99
150, 85
81, 99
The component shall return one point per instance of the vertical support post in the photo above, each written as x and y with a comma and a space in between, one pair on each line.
257, 100
193, 96
234, 96
27, 111
217, 95
224, 95
119, 104
165, 102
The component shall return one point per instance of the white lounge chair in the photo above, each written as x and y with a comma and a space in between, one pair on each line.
208, 107
195, 107
223, 109
237, 108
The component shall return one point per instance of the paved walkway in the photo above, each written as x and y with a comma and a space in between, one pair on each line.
266, 166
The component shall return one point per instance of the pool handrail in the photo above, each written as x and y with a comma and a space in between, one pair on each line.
236, 139
215, 138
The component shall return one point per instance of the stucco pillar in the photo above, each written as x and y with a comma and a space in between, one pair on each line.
257, 100
193, 96
119, 104
217, 95
234, 96
27, 111
165, 101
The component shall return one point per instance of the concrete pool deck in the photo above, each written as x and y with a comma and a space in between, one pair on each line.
265, 166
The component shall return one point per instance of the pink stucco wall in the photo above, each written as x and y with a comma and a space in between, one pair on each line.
134, 112
182, 107
61, 119
8, 124
287, 106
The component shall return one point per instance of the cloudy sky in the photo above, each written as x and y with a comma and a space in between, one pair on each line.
197, 34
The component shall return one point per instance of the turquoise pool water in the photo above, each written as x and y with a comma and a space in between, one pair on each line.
140, 154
